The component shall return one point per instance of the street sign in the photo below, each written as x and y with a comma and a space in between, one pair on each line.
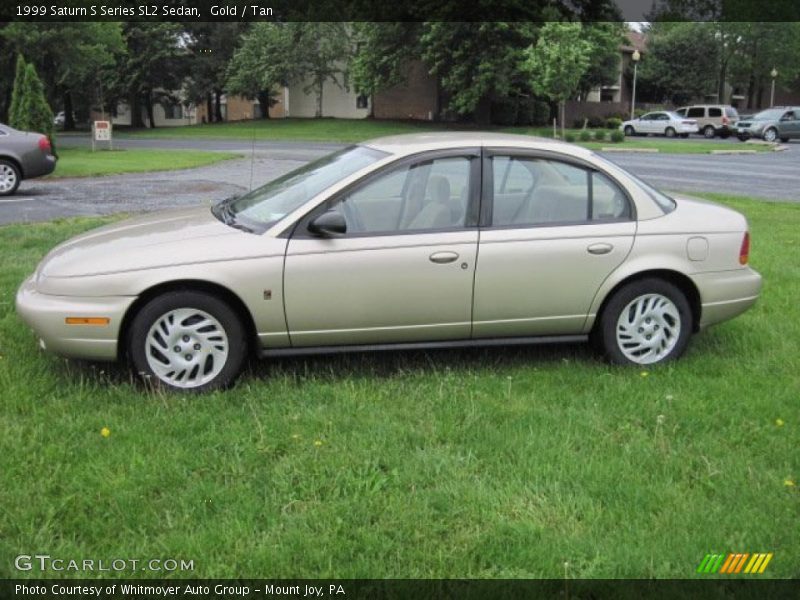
101, 132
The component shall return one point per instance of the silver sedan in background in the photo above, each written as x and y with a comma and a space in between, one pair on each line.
23, 155
662, 122
416, 241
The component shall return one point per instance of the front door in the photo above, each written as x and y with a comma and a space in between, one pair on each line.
555, 231
403, 271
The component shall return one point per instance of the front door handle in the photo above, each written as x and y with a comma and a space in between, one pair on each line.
600, 248
441, 258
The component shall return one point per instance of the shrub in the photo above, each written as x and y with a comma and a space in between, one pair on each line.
541, 112
600, 135
577, 123
617, 136
504, 112
570, 137
585, 135
613, 123
595, 122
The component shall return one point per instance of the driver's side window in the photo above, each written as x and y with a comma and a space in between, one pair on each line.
430, 195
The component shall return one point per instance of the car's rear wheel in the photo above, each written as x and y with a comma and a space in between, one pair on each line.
709, 131
784, 140
669, 132
629, 131
187, 340
10, 178
646, 322
770, 135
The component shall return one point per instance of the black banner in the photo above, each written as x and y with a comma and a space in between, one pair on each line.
377, 589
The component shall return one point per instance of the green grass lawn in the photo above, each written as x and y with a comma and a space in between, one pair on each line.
498, 463
81, 162
357, 130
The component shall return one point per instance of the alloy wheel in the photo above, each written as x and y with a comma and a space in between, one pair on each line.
8, 178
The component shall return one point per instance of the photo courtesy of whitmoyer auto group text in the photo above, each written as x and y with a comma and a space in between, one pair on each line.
425, 300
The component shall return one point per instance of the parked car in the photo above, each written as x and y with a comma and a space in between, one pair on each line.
661, 122
23, 155
712, 119
413, 241
778, 123
60, 118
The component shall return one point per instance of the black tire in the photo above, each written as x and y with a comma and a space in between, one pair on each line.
742, 138
684, 135
604, 335
153, 312
770, 134
10, 177
629, 131
784, 140
670, 132
709, 132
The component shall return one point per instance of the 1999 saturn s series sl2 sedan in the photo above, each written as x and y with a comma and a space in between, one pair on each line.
412, 241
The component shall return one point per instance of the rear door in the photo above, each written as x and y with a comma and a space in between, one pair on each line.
551, 231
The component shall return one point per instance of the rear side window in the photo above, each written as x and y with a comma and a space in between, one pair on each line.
696, 111
548, 192
714, 112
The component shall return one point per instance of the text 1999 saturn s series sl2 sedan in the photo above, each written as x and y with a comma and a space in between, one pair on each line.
415, 241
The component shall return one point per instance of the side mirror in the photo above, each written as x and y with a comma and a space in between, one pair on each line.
328, 224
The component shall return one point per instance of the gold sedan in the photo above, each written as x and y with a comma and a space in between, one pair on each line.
417, 241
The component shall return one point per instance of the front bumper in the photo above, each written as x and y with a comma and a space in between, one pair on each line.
726, 294
46, 314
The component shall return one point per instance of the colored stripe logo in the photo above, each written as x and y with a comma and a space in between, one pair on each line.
735, 562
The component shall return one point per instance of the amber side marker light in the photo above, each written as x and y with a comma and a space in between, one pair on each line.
87, 320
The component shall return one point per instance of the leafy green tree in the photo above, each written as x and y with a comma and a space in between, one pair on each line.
605, 39
211, 46
557, 62
34, 104
477, 62
72, 58
19, 92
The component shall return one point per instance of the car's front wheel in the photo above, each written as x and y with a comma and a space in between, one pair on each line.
770, 135
629, 131
9, 178
187, 340
645, 322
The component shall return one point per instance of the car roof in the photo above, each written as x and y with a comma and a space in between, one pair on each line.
420, 142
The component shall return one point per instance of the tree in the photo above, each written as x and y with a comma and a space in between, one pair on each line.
18, 93
477, 62
72, 58
154, 66
32, 113
605, 39
383, 51
323, 54
558, 61
211, 46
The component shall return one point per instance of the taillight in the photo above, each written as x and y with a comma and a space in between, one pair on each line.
744, 251
44, 144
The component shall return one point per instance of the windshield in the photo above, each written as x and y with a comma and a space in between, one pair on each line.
273, 201
772, 114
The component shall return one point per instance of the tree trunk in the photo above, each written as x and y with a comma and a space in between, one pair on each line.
148, 104
320, 84
562, 109
218, 106
263, 101
483, 111
209, 109
69, 121
136, 111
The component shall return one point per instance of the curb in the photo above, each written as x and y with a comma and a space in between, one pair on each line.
733, 152
780, 148
617, 149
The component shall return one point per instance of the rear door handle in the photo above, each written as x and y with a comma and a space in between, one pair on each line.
441, 258
600, 248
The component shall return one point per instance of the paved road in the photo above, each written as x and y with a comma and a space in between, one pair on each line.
770, 175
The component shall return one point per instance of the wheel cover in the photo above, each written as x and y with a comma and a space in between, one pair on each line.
8, 178
708, 132
770, 135
648, 328
186, 347
669, 132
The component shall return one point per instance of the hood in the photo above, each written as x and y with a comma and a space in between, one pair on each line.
163, 239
